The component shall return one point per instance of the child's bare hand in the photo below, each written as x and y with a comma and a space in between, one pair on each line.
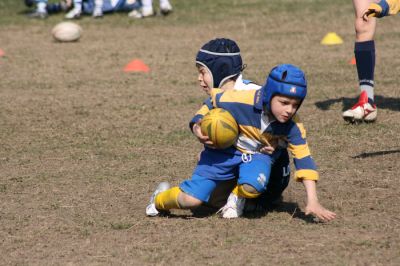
267, 149
373, 10
367, 14
320, 212
202, 138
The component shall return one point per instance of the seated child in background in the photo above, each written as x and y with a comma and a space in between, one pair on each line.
99, 7
262, 115
76, 8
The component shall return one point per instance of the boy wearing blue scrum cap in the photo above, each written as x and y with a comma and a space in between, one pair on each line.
263, 116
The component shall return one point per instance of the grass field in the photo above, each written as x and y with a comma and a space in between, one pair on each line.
83, 144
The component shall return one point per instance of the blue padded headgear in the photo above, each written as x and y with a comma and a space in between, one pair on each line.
222, 58
287, 80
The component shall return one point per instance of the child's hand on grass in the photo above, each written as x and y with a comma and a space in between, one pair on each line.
316, 209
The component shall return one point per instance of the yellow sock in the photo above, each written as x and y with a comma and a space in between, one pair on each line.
240, 191
168, 199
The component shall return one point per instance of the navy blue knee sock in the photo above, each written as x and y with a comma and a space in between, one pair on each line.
365, 58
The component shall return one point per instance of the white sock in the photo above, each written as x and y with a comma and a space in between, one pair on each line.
147, 4
369, 90
164, 3
98, 3
78, 5
41, 7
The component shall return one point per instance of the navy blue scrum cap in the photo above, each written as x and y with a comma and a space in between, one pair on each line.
222, 58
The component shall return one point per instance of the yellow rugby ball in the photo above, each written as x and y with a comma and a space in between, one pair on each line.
220, 127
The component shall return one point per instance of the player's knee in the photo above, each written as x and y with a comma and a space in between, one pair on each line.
248, 191
365, 30
248, 188
186, 201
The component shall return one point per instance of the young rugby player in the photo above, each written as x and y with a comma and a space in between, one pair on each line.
264, 116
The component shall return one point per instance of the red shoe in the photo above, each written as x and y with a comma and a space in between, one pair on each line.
362, 111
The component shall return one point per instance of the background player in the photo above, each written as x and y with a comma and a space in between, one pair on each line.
364, 50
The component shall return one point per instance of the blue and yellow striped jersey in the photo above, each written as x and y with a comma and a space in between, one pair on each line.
257, 128
240, 84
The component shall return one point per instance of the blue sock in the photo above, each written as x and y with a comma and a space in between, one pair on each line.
54, 8
365, 58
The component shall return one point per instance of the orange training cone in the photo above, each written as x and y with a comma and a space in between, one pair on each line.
136, 66
352, 61
1, 53
331, 38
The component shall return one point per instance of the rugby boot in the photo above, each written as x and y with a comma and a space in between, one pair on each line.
363, 110
97, 13
142, 13
151, 209
75, 13
233, 207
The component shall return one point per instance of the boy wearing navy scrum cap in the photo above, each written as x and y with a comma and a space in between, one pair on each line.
220, 65
263, 116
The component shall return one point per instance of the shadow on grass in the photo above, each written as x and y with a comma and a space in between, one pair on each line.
291, 208
381, 101
374, 154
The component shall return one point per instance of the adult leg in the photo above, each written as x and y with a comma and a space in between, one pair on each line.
364, 50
